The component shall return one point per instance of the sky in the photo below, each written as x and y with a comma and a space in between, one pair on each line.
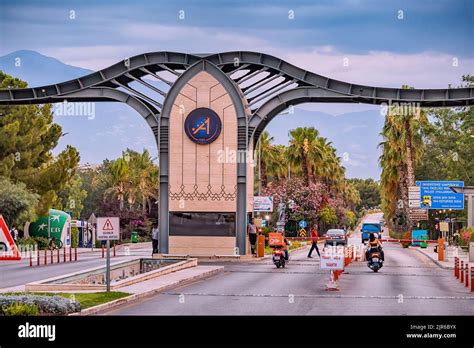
387, 43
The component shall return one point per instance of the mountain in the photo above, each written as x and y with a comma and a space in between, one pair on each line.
37, 69
114, 126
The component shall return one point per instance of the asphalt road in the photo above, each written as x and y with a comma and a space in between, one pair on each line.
409, 283
16, 273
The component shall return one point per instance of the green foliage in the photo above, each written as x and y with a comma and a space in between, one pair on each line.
16, 203
27, 138
72, 197
368, 191
74, 237
26, 241
328, 215
20, 309
351, 218
42, 242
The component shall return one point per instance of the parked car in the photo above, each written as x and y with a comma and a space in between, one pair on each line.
336, 236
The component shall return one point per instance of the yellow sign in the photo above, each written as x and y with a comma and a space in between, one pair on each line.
302, 232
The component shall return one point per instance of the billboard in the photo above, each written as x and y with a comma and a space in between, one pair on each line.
438, 195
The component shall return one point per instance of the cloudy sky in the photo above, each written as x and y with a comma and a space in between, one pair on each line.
425, 44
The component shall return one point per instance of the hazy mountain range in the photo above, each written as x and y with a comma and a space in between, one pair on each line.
116, 126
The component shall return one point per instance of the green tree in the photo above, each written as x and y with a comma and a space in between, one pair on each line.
16, 203
368, 191
72, 197
27, 137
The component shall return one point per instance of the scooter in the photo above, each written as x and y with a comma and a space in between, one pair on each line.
374, 261
279, 257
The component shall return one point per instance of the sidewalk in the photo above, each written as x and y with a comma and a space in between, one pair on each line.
155, 285
449, 254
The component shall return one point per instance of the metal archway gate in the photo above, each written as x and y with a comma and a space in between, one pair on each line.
258, 85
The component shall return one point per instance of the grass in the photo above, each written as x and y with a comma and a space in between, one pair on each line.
85, 299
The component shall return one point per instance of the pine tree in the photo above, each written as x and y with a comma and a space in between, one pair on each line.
27, 137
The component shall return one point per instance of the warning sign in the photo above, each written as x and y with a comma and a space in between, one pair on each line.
108, 228
8, 249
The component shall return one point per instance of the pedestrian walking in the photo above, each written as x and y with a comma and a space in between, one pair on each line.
154, 237
314, 239
252, 232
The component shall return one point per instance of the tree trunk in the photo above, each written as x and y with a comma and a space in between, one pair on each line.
305, 168
263, 174
409, 152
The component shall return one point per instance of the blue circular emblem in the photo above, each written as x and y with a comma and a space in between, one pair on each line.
202, 126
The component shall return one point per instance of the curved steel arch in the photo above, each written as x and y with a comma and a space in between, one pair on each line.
265, 85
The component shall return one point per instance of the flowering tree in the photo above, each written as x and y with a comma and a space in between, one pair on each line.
302, 201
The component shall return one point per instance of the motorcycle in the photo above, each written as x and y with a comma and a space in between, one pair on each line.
374, 260
279, 258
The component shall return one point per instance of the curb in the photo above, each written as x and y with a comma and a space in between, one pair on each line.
433, 260
134, 297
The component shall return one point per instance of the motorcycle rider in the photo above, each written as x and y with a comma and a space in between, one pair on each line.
374, 243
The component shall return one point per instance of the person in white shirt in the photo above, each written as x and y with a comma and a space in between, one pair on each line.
154, 237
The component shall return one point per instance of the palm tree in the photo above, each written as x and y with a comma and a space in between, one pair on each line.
402, 148
305, 151
268, 158
118, 177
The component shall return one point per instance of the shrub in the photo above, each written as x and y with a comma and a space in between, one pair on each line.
18, 309
43, 242
26, 241
56, 305
74, 237
406, 235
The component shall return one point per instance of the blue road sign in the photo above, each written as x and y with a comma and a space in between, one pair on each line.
438, 195
303, 224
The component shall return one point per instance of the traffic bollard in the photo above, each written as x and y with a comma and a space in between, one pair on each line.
466, 276
38, 258
64, 254
31, 260
51, 256
70, 255
472, 279
440, 249
75, 254
45, 257
102, 251
59, 258
114, 249
461, 278
456, 267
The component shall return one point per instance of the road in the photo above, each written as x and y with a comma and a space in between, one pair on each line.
409, 283
17, 273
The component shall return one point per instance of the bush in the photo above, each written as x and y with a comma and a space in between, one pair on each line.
43, 242
74, 237
56, 305
18, 309
26, 241
406, 235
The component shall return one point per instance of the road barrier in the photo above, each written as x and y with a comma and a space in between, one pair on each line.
472, 279
456, 267
466, 275
51, 256
461, 272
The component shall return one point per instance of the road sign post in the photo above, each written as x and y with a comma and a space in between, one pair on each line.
108, 228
